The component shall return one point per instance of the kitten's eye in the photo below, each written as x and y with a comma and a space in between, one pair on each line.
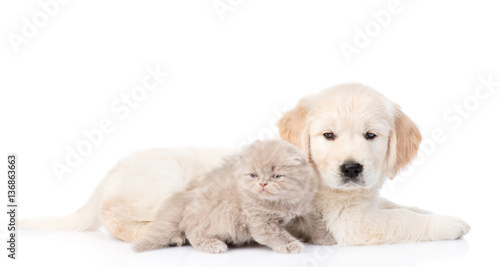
254, 175
370, 136
277, 176
329, 135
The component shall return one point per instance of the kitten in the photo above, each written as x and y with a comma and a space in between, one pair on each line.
254, 196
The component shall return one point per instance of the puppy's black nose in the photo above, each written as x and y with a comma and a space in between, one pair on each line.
351, 169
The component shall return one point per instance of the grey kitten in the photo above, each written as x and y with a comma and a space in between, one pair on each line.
254, 196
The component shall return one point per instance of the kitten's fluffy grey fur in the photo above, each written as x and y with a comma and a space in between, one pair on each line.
254, 196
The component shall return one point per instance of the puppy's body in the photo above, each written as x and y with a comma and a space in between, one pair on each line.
129, 198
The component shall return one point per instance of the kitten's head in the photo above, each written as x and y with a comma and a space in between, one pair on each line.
276, 170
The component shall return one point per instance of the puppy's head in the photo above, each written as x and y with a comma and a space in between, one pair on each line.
352, 134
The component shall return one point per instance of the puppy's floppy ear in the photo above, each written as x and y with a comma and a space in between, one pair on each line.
403, 143
292, 126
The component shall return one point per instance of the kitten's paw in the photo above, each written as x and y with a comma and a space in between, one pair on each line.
212, 246
326, 240
449, 228
177, 241
145, 245
294, 247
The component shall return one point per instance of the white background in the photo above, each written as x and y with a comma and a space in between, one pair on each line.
229, 81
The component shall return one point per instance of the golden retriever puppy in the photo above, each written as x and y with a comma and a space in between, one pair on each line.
356, 138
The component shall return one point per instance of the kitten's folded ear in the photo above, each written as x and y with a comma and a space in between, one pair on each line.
297, 161
295, 156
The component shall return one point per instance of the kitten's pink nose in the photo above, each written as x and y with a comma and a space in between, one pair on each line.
263, 184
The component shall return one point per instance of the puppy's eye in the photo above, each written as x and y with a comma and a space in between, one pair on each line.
370, 136
254, 175
277, 176
329, 135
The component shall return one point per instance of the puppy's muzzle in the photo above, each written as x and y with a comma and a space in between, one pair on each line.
351, 171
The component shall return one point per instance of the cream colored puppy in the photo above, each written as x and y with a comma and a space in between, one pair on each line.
354, 136
357, 138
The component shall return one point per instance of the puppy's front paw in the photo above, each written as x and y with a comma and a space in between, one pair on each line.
294, 247
450, 228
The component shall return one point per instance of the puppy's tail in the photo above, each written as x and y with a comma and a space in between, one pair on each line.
87, 218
